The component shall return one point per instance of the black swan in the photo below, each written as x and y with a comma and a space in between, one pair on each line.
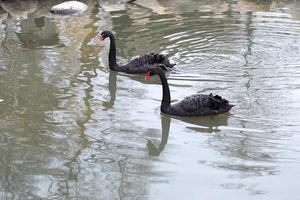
138, 65
194, 105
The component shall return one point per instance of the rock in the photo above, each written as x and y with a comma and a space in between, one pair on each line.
69, 8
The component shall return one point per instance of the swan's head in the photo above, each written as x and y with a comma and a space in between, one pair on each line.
104, 35
152, 72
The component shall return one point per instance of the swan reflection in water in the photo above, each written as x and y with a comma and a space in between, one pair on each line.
112, 86
165, 128
207, 124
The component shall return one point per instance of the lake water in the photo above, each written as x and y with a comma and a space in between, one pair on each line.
72, 129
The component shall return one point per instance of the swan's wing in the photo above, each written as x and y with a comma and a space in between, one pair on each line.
195, 102
152, 59
202, 102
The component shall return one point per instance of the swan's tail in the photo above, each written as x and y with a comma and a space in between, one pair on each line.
164, 61
219, 103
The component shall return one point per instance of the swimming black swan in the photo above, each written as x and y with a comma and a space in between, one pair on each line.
194, 105
137, 65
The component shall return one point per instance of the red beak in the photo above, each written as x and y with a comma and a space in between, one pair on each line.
147, 76
101, 38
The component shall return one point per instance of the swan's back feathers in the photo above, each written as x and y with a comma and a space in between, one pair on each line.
199, 102
152, 59
194, 102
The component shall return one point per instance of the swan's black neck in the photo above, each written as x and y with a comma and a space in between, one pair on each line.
112, 53
166, 99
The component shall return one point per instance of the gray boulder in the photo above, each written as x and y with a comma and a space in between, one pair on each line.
69, 8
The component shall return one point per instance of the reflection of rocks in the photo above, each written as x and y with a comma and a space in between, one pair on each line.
37, 32
177, 6
264, 6
293, 8
114, 5
69, 8
35, 86
3, 14
36, 29
110, 6
20, 8
247, 5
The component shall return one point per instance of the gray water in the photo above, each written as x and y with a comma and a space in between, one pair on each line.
72, 129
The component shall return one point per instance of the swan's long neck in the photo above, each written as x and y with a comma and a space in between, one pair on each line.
112, 53
166, 99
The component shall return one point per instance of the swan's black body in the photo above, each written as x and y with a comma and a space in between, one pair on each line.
194, 105
138, 65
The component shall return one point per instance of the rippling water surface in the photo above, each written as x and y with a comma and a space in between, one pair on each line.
72, 129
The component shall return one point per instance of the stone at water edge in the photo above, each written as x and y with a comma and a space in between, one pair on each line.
69, 8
